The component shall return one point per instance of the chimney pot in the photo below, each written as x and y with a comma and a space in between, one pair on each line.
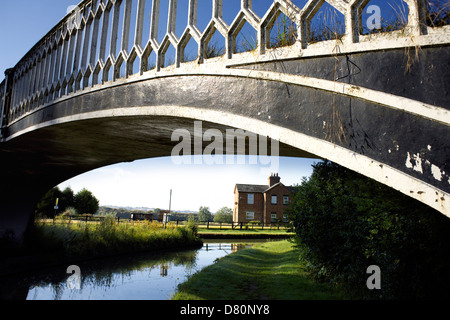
274, 179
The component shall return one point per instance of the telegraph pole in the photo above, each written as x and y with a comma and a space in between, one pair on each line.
166, 215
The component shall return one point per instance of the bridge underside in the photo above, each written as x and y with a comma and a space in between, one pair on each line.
363, 111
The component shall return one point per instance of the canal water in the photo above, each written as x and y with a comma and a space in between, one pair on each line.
131, 277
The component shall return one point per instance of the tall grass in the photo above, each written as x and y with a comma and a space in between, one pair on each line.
284, 32
109, 237
438, 13
327, 24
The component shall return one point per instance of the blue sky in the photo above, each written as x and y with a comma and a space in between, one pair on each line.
147, 182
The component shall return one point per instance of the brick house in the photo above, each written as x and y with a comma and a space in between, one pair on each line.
264, 203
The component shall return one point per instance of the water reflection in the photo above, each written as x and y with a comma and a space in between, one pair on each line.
137, 277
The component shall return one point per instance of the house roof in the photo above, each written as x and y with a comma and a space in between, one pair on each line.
275, 185
255, 188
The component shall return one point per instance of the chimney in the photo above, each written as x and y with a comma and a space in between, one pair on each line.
274, 179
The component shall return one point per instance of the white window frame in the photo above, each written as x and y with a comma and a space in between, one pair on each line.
250, 215
273, 217
272, 198
285, 199
250, 198
285, 217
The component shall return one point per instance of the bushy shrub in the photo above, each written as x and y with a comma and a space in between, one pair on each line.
192, 226
346, 222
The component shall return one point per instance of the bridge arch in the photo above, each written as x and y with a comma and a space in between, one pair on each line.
229, 98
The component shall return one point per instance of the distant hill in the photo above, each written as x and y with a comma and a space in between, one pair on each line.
146, 209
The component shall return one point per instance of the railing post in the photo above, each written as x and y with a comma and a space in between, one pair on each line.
6, 101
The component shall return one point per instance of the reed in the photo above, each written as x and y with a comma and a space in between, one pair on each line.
109, 237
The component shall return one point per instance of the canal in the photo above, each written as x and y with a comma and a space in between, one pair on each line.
131, 277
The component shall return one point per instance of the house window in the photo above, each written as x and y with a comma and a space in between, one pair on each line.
274, 200
285, 200
250, 198
250, 215
273, 217
285, 217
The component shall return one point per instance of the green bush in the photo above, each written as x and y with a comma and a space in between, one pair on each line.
192, 226
346, 222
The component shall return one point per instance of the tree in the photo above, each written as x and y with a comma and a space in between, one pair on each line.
204, 214
86, 202
46, 205
66, 199
224, 214
346, 222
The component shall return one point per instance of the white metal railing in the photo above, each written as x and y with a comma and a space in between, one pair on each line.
91, 45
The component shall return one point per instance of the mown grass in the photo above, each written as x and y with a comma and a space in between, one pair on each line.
109, 237
271, 271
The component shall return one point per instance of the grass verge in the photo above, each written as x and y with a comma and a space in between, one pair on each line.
270, 271
109, 237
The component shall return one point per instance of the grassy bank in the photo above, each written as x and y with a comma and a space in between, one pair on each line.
109, 237
59, 243
271, 271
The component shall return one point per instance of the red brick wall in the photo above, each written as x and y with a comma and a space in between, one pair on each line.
241, 207
278, 208
262, 207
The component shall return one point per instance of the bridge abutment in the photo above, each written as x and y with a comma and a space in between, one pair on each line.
16, 223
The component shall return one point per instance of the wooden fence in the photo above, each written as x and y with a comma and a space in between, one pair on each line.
201, 224
235, 225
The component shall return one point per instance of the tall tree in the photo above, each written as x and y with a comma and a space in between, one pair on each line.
66, 199
224, 214
86, 202
46, 205
346, 222
204, 214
